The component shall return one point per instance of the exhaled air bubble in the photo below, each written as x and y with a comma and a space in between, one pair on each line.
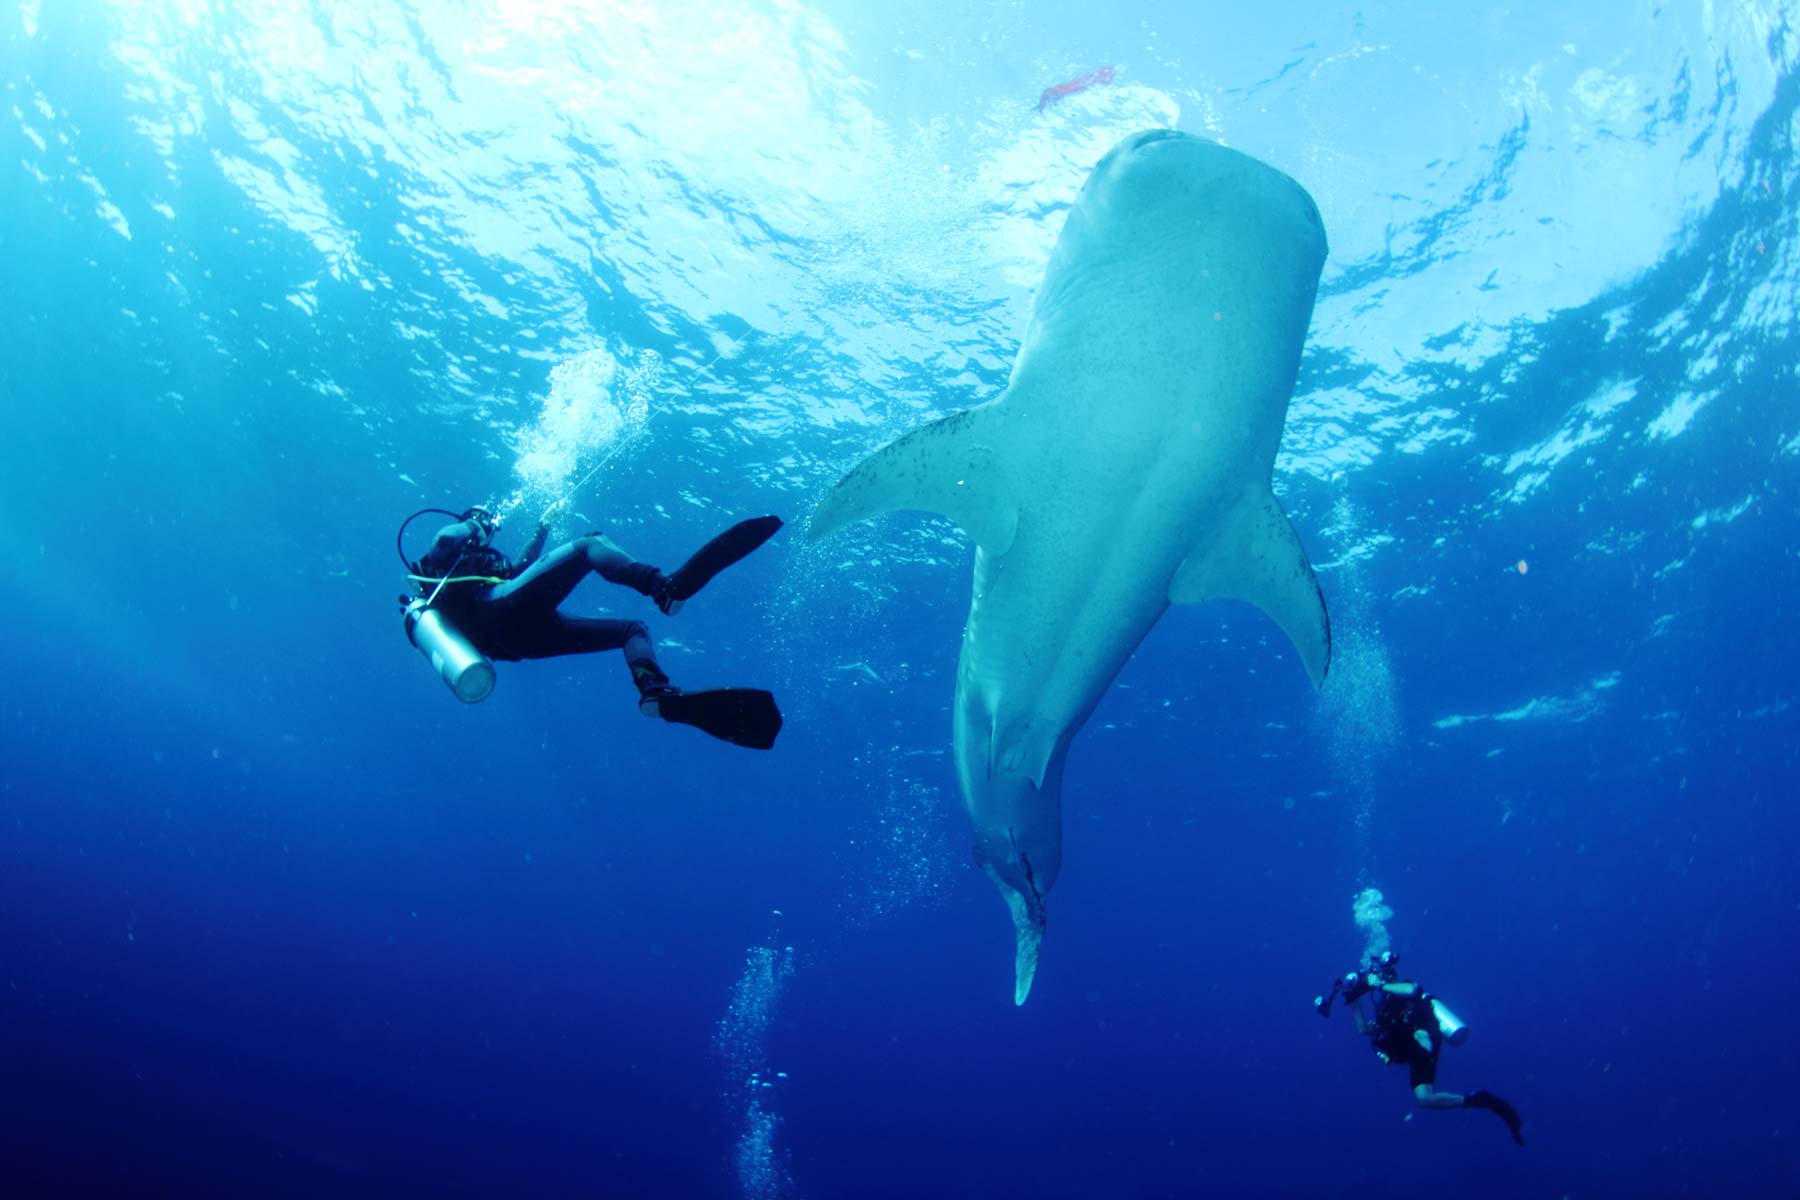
741, 1038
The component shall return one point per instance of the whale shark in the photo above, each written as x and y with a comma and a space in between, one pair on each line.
1126, 467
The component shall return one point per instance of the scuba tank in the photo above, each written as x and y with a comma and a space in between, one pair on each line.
463, 668
1449, 1024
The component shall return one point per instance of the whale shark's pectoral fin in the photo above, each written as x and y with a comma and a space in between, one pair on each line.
949, 467
1256, 556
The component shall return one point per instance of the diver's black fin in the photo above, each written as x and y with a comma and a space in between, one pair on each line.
741, 716
710, 559
1500, 1108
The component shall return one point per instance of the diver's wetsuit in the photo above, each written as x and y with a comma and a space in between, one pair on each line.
1405, 1031
518, 618
1393, 1035
509, 611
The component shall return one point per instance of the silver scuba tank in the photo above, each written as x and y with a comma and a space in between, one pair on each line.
1449, 1024
462, 667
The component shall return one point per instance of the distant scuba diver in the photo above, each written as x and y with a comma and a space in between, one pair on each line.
1409, 1028
472, 602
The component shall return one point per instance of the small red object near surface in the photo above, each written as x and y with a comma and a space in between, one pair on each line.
1079, 84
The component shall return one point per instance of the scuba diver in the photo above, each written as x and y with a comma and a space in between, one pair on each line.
473, 603
1409, 1028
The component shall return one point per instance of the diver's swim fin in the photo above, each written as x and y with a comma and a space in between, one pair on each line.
742, 716
1500, 1108
710, 559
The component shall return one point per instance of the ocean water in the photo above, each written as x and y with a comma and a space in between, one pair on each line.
278, 917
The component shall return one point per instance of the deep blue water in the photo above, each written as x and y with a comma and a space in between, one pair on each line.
279, 917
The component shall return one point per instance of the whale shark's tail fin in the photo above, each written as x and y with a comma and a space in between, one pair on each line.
949, 467
1030, 939
1027, 908
1255, 555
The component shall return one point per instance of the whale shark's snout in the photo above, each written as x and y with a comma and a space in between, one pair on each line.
1138, 141
1136, 150
1168, 169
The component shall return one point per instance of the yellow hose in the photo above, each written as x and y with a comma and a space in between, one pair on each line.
456, 579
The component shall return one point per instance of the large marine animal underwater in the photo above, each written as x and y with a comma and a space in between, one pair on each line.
1125, 468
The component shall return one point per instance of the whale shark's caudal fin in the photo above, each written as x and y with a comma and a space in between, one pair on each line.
1025, 956
950, 467
1255, 555
1028, 925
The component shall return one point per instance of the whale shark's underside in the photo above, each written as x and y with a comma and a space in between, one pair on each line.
1125, 468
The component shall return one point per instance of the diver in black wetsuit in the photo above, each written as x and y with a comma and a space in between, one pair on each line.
1409, 1028
508, 610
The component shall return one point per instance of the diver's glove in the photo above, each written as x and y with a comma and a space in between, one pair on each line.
553, 512
1338, 986
1500, 1108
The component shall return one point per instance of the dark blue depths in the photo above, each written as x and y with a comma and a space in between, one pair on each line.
279, 918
